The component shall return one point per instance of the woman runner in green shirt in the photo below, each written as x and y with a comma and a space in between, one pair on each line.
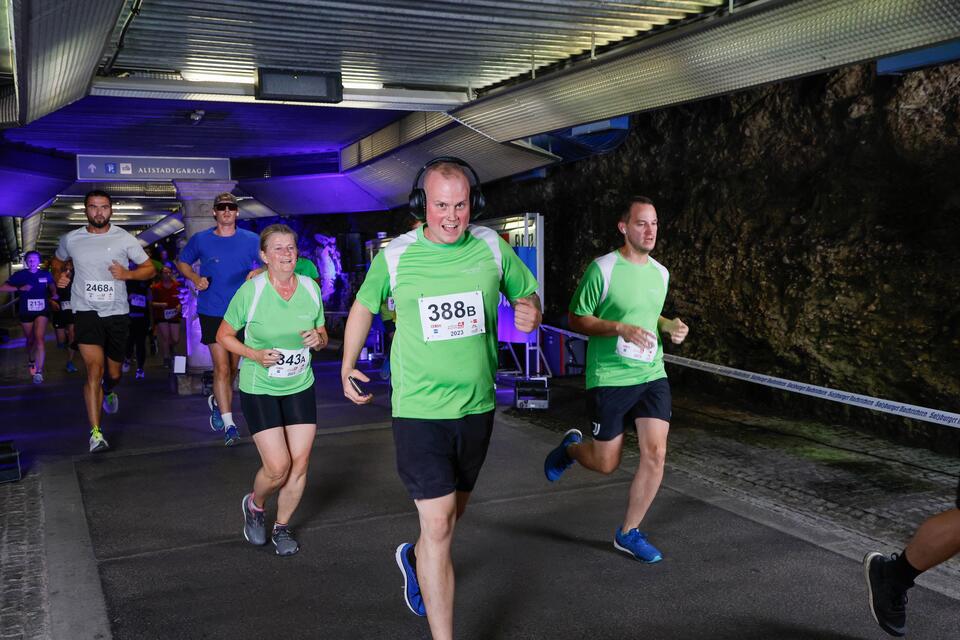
281, 315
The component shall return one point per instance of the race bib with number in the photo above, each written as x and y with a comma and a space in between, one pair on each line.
36, 304
292, 363
99, 290
138, 300
169, 314
634, 352
453, 316
65, 305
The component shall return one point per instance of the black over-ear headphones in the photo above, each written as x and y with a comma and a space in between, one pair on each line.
418, 197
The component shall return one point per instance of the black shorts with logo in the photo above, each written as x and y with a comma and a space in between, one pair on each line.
614, 409
262, 411
29, 316
62, 319
109, 332
437, 457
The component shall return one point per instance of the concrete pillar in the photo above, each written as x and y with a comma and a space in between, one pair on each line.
196, 199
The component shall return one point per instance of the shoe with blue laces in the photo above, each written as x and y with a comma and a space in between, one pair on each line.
216, 420
634, 543
407, 562
558, 460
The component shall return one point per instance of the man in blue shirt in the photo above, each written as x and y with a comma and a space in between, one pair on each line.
226, 255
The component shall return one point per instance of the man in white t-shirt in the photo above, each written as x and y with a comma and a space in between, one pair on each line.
101, 253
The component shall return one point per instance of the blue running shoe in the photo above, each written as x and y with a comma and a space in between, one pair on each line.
411, 588
231, 436
634, 543
216, 420
71, 368
558, 460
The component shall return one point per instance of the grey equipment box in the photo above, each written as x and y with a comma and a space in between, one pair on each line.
531, 394
9, 462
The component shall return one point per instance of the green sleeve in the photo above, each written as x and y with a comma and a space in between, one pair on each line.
236, 315
587, 296
306, 267
376, 285
517, 282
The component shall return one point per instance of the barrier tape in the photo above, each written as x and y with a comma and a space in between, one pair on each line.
902, 409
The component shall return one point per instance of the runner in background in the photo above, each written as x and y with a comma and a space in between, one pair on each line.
166, 313
35, 289
63, 320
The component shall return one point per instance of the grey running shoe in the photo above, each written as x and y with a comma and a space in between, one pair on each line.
97, 441
254, 530
111, 402
37, 378
284, 542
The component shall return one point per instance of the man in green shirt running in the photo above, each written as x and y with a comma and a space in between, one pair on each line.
618, 304
445, 279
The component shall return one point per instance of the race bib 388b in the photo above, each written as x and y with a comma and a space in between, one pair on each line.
453, 316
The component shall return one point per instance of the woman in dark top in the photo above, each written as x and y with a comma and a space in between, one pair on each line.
35, 288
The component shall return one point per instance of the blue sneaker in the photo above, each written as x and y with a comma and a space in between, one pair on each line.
231, 436
634, 543
216, 420
411, 588
71, 368
558, 460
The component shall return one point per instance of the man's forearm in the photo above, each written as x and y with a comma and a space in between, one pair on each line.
594, 326
142, 272
187, 271
355, 335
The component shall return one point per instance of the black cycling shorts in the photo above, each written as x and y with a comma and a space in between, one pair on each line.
264, 412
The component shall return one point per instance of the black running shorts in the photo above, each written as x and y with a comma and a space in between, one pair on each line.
29, 317
208, 329
437, 457
110, 332
614, 409
62, 319
264, 412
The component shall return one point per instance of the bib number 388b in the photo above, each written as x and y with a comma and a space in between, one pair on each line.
453, 316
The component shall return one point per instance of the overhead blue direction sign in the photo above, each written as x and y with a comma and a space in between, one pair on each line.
151, 168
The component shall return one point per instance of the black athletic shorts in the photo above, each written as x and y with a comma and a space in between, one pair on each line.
30, 316
110, 332
437, 457
264, 412
208, 329
614, 409
62, 319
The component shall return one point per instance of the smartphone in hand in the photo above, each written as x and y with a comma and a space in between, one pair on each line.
356, 386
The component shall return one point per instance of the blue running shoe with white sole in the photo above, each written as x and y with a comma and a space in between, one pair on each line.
558, 460
231, 436
216, 420
411, 587
634, 543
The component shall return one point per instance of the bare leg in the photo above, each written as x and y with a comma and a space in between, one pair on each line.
936, 541
434, 564
224, 371
602, 456
39, 346
93, 361
652, 439
275, 463
28, 338
299, 443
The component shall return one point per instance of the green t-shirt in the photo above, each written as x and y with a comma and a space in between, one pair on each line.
616, 289
305, 267
276, 324
444, 378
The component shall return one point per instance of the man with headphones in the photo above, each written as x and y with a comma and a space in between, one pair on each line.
226, 254
618, 304
445, 278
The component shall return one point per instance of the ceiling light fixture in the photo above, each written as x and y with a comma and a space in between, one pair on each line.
356, 84
206, 76
116, 207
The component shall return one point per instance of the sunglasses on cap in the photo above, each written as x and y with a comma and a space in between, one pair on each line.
225, 206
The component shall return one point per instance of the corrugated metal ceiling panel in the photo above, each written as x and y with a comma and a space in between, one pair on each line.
449, 43
771, 42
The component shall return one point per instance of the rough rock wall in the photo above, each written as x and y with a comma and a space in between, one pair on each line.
812, 230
